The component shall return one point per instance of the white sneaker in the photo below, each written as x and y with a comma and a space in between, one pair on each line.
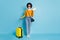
28, 36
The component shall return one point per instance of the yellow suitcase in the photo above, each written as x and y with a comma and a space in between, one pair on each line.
19, 32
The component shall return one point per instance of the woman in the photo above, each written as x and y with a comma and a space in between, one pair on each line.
28, 14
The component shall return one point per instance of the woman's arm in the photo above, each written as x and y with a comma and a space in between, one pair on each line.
23, 16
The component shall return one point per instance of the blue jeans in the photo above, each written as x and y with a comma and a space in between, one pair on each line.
28, 23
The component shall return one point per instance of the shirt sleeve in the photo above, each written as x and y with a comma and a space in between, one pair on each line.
32, 13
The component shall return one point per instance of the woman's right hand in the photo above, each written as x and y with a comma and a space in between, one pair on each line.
21, 18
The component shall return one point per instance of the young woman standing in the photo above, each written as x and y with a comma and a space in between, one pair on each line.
28, 14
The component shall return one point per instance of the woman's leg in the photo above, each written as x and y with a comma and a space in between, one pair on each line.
28, 22
27, 25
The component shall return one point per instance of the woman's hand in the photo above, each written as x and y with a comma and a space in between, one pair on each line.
34, 9
21, 18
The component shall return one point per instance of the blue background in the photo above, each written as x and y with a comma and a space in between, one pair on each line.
47, 16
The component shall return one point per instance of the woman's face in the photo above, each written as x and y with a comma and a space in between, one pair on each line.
29, 6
